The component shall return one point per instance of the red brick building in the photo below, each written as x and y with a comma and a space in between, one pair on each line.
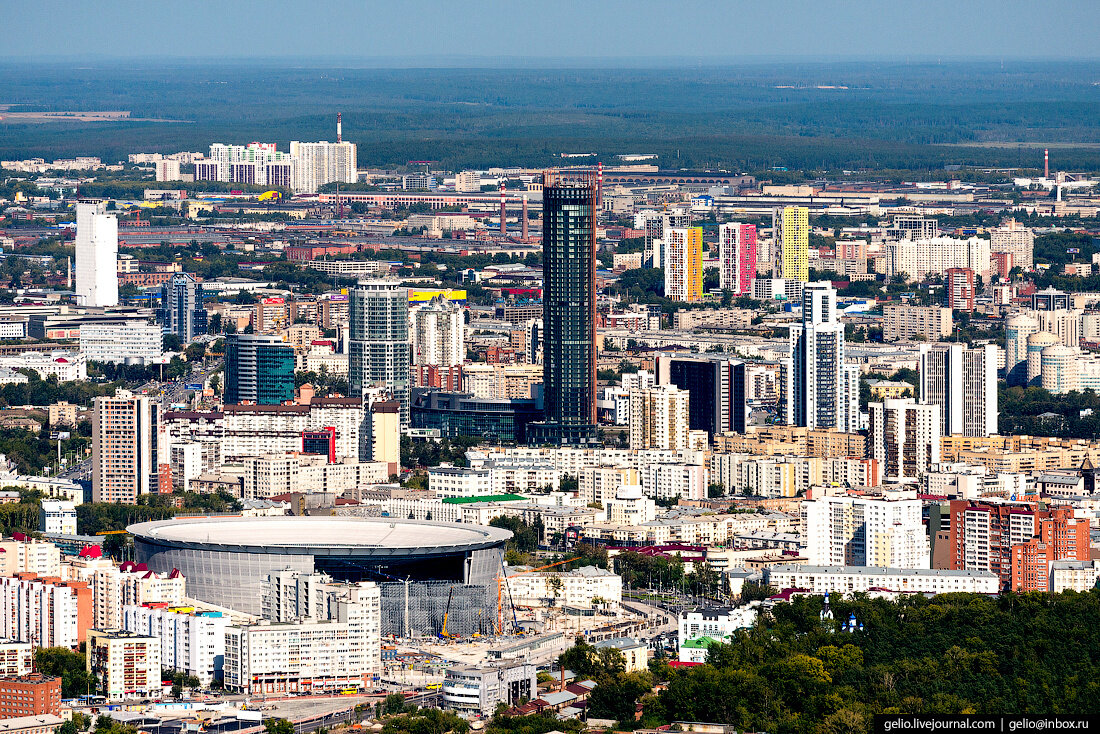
960, 289
31, 695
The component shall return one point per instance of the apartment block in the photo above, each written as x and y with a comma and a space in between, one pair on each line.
902, 323
128, 664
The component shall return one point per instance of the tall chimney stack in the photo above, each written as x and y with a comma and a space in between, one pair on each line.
339, 127
503, 213
1046, 162
524, 220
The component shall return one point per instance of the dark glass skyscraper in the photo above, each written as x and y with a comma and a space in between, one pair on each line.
569, 313
181, 310
258, 369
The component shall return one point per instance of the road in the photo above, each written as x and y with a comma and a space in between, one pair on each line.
165, 393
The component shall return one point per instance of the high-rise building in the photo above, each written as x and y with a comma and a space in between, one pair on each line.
127, 664
795, 238
904, 437
259, 369
912, 227
438, 333
959, 284
659, 418
963, 383
96, 255
1018, 328
569, 312
684, 264
379, 353
655, 225
182, 311
167, 170
819, 389
316, 164
1015, 239
737, 254
717, 387
124, 447
864, 531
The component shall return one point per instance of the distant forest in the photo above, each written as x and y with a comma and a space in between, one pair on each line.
880, 115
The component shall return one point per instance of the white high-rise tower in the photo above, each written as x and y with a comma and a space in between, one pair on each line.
96, 255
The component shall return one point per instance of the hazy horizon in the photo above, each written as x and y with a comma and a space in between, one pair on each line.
639, 32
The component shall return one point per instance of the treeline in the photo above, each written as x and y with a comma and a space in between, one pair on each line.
37, 391
1028, 411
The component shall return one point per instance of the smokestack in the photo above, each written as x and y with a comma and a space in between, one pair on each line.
339, 127
524, 220
503, 214
1046, 162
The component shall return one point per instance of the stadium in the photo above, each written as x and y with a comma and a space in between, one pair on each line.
226, 559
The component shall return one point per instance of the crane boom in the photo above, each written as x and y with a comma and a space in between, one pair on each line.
502, 585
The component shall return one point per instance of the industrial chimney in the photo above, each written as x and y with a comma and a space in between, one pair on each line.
339, 128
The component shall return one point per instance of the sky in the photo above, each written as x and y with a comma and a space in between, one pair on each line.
450, 31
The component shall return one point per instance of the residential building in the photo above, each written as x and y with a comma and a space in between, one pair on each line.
963, 383
96, 255
167, 169
794, 235
684, 264
192, 641
601, 484
635, 652
30, 695
57, 516
480, 690
269, 475
581, 588
64, 366
674, 480
48, 611
1015, 239
904, 437
819, 388
382, 438
127, 664
659, 418
316, 164
44, 724
502, 381
912, 227
1018, 328
438, 333
182, 311
861, 579
23, 554
717, 388
122, 342
866, 531
16, 659
718, 623
116, 587
902, 323
63, 413
452, 481
379, 351
124, 447
569, 315
737, 255
259, 369
959, 284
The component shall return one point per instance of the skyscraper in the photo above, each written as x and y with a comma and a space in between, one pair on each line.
737, 254
684, 264
963, 383
124, 441
717, 386
379, 352
659, 418
569, 312
316, 164
259, 368
795, 238
904, 437
96, 255
819, 388
181, 310
1018, 328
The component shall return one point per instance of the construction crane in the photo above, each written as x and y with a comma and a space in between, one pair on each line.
502, 581
443, 632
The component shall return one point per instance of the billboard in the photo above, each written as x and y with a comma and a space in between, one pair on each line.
193, 386
427, 294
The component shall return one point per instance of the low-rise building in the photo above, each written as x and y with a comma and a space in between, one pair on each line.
717, 623
853, 579
16, 659
479, 690
30, 695
44, 724
125, 342
584, 587
57, 516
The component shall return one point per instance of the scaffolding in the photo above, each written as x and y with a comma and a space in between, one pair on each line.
416, 608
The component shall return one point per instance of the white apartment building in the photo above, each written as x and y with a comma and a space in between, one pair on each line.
124, 342
1076, 575
342, 650
316, 164
167, 170
855, 579
131, 584
901, 323
438, 332
124, 465
1014, 238
96, 255
599, 484
128, 665
65, 366
668, 480
16, 659
29, 555
57, 516
453, 481
501, 381
46, 611
904, 437
919, 258
866, 531
274, 474
191, 642
630, 507
583, 588
963, 383
522, 477
659, 418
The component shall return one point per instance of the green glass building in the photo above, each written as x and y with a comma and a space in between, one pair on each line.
258, 369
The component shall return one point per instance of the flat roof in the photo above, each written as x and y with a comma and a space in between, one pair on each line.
319, 535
